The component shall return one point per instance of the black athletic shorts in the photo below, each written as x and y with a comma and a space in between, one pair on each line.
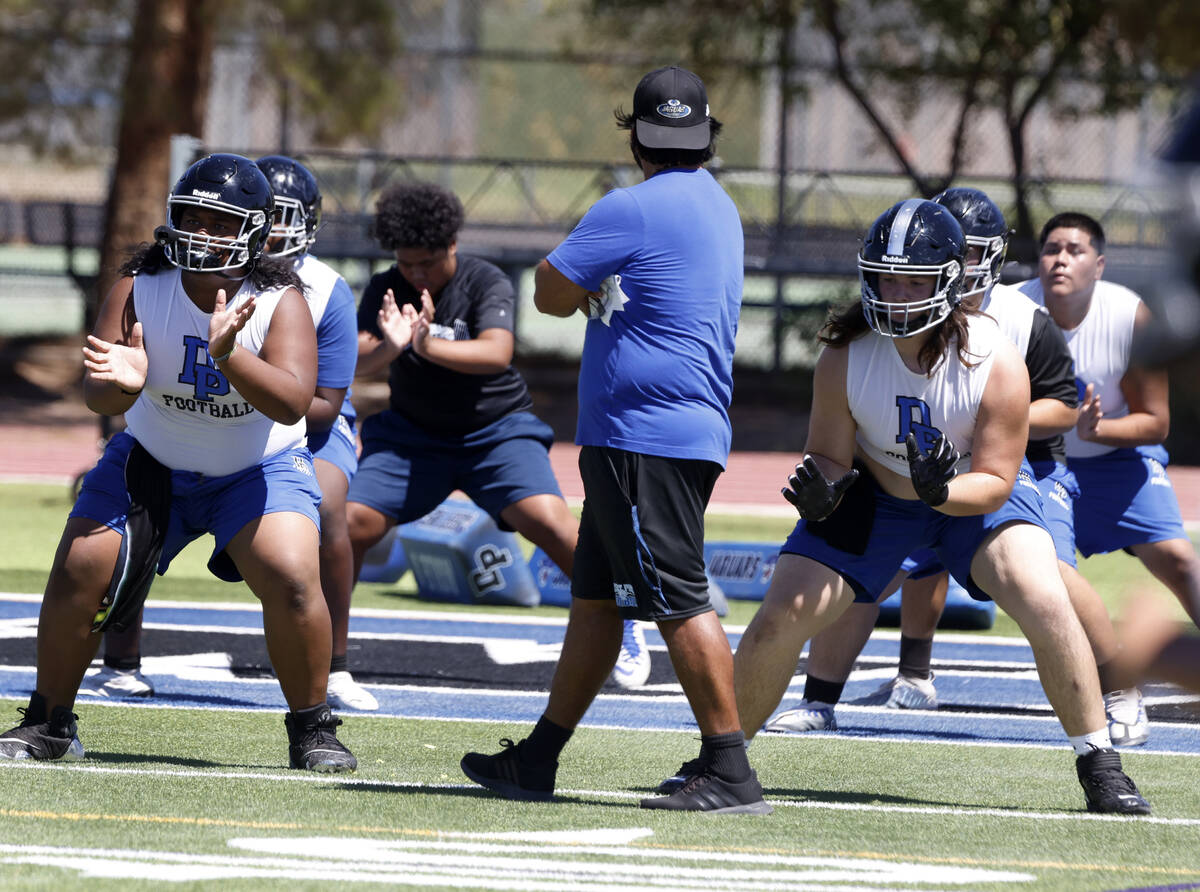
641, 536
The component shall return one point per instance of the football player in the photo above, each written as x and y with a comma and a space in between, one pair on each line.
208, 349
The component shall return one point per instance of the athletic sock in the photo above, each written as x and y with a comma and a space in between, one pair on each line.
1089, 743
123, 664
818, 690
726, 756
546, 741
1105, 671
338, 664
916, 655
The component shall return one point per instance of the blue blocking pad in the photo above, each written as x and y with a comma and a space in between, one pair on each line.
457, 553
385, 561
962, 611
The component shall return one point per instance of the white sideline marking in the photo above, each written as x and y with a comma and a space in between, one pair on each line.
518, 867
355, 781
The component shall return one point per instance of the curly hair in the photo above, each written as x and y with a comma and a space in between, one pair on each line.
669, 157
268, 272
417, 215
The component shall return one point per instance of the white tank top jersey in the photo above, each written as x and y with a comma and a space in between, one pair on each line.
1013, 312
1100, 346
888, 400
189, 417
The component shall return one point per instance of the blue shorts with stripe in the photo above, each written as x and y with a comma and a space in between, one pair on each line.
337, 446
199, 504
1058, 489
405, 473
906, 527
1126, 498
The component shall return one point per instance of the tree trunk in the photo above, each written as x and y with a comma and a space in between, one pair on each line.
165, 93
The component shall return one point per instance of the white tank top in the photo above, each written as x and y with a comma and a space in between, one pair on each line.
1100, 346
888, 400
1013, 312
189, 417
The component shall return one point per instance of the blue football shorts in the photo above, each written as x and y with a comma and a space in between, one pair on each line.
404, 472
337, 446
281, 482
904, 528
1126, 498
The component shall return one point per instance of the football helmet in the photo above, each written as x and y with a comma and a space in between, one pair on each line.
297, 205
229, 184
984, 227
912, 238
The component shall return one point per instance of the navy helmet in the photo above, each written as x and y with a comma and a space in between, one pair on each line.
231, 185
983, 225
297, 205
912, 238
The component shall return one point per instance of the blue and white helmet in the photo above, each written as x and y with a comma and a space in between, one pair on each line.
232, 185
912, 238
297, 205
983, 224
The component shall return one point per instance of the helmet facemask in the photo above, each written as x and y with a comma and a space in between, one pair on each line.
290, 233
905, 319
203, 253
982, 275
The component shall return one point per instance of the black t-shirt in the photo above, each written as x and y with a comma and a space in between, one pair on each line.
436, 399
1051, 376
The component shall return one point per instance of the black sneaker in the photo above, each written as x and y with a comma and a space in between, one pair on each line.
686, 771
49, 739
509, 774
1107, 788
708, 793
313, 743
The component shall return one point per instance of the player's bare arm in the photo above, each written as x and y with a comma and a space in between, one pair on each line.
1001, 434
115, 361
281, 380
556, 295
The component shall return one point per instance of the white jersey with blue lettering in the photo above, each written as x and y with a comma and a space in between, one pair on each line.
1100, 346
888, 400
188, 416
319, 279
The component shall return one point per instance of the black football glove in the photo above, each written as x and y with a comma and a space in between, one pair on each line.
811, 494
932, 472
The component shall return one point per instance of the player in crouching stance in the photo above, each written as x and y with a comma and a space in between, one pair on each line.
919, 420
209, 351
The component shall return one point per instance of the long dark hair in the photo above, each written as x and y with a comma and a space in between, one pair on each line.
267, 273
849, 323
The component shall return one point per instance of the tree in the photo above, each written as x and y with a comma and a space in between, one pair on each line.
1012, 56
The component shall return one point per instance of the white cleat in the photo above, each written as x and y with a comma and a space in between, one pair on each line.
633, 663
1127, 721
116, 684
343, 692
903, 692
805, 717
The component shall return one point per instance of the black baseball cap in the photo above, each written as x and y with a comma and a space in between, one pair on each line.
670, 110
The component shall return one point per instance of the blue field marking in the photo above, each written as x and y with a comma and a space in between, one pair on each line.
988, 686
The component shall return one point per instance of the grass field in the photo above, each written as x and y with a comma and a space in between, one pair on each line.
196, 798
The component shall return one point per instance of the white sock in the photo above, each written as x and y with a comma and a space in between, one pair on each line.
1086, 743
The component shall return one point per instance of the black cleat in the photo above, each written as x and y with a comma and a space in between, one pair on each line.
313, 743
1107, 788
708, 793
686, 771
510, 775
40, 738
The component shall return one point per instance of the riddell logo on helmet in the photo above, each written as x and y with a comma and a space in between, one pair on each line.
895, 258
202, 194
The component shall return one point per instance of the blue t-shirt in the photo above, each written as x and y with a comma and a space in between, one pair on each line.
658, 378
